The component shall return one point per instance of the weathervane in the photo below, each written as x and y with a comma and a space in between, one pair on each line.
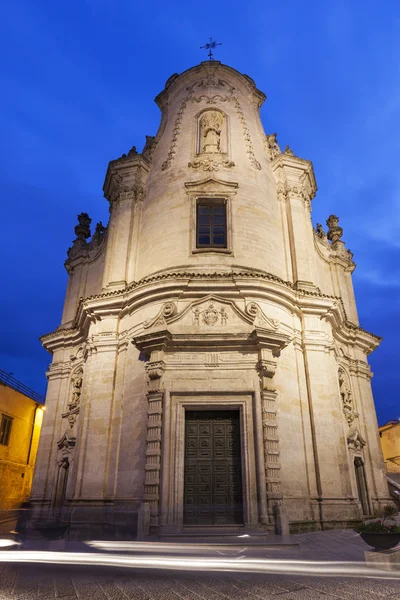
210, 46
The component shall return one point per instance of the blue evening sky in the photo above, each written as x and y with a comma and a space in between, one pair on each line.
78, 80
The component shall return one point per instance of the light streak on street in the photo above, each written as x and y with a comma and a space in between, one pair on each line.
240, 564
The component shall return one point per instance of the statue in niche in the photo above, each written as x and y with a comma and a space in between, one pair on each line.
347, 399
211, 128
76, 385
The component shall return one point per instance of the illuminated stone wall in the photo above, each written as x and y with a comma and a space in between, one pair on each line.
18, 456
390, 442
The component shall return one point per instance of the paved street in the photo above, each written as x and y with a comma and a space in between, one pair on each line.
26, 582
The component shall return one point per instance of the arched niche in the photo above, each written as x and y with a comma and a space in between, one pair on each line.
212, 132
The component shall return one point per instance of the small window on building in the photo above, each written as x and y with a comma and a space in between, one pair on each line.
5, 429
211, 224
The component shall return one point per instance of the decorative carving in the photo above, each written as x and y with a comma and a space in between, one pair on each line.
347, 399
288, 151
211, 164
246, 134
98, 234
168, 310
271, 451
66, 444
155, 370
210, 315
149, 148
205, 86
335, 232
272, 146
132, 152
211, 126
212, 359
252, 309
175, 134
266, 369
82, 230
211, 99
76, 388
71, 419
81, 353
320, 231
259, 319
355, 441
224, 316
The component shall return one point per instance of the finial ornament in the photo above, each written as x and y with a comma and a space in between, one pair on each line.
335, 232
210, 46
82, 230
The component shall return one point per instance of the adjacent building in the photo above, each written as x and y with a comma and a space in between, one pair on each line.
209, 369
390, 442
21, 412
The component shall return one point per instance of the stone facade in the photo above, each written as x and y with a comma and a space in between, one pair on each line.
156, 325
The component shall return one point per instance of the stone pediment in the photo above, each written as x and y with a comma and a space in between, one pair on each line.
211, 315
211, 185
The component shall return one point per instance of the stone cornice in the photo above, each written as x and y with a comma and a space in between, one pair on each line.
195, 284
163, 339
347, 332
63, 337
208, 69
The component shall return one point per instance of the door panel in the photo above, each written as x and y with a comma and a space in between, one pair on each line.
213, 477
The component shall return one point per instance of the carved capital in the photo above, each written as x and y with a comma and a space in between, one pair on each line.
155, 370
266, 367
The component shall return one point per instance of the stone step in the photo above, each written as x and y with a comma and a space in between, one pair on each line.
214, 539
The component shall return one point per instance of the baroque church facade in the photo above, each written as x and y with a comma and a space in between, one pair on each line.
209, 369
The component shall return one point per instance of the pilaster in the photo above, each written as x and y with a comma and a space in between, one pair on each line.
296, 187
154, 345
95, 430
326, 419
124, 188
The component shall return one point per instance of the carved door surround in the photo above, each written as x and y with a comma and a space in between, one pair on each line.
211, 331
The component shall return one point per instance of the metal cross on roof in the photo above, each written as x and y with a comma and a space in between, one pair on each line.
210, 46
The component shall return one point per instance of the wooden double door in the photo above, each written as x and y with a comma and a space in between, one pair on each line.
212, 473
